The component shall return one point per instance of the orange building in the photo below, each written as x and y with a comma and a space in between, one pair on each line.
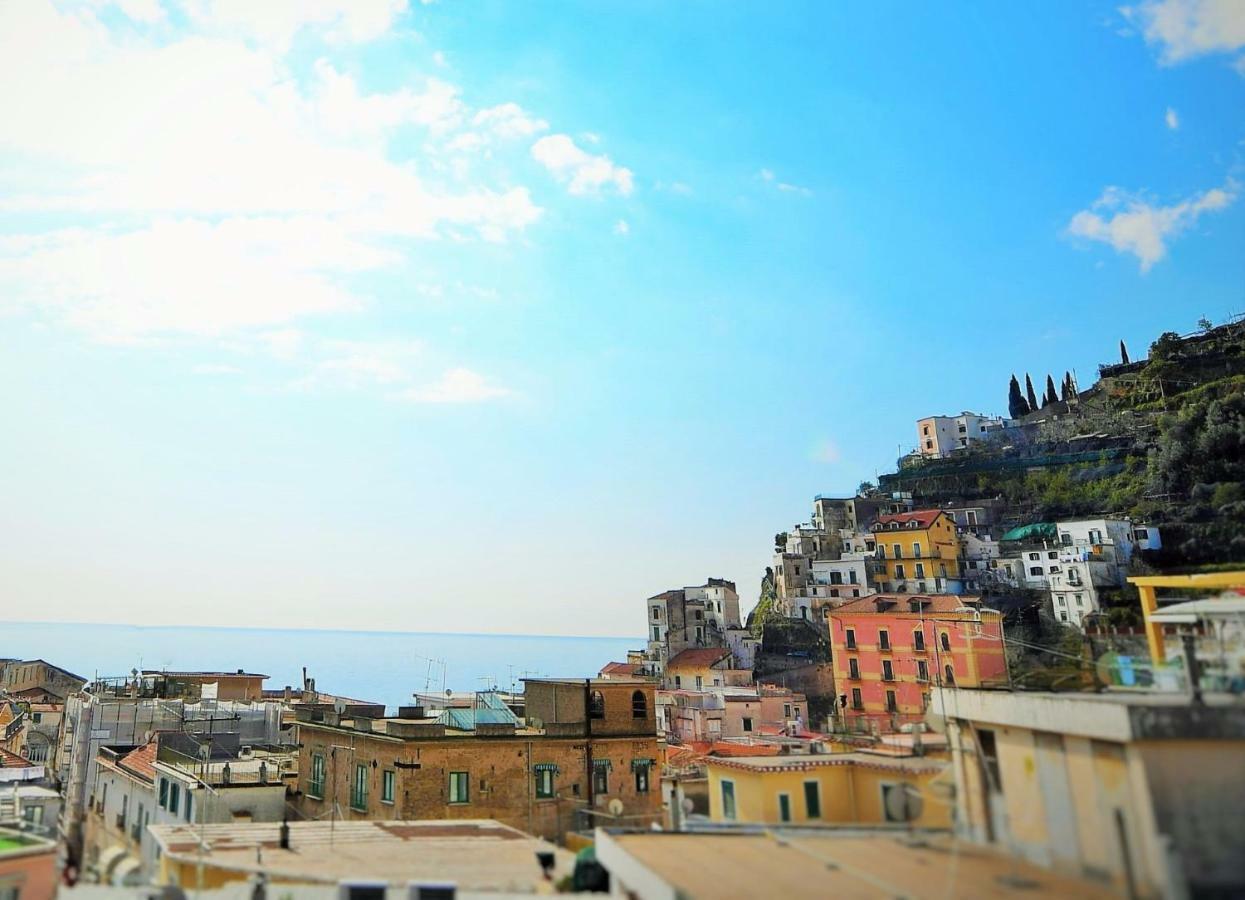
889, 650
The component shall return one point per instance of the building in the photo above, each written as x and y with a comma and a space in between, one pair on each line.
237, 685
1140, 791
729, 712
918, 553
30, 807
176, 777
475, 856
27, 866
829, 789
37, 680
699, 616
940, 436
41, 732
811, 864
585, 743
889, 651
706, 667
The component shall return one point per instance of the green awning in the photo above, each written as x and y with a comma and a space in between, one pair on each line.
546, 767
602, 764
1039, 531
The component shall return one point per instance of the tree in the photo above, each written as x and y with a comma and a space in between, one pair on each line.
1017, 406
1051, 393
1205, 324
1033, 404
865, 488
1123, 353
1065, 393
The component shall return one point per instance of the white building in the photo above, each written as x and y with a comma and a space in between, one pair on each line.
940, 436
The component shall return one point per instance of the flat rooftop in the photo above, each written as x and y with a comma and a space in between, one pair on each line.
810, 863
796, 762
476, 854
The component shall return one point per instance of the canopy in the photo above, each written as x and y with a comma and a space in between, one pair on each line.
1039, 531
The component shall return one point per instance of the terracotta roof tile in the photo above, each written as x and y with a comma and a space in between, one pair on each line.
141, 761
923, 517
620, 668
13, 761
698, 656
931, 603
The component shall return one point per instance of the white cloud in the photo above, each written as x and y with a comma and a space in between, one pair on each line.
457, 385
216, 369
622, 228
768, 176
582, 172
1130, 224
1186, 29
1172, 118
508, 120
277, 21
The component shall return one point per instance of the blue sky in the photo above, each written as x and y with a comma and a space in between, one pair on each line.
504, 316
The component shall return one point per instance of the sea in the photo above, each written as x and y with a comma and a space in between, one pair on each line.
376, 666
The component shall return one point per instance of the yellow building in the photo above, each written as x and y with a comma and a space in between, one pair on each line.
701, 668
1141, 791
917, 553
830, 789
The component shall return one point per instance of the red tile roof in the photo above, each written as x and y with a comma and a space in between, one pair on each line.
13, 761
698, 657
930, 603
141, 761
923, 517
619, 668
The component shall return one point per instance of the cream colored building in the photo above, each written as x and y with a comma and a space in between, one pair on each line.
1143, 792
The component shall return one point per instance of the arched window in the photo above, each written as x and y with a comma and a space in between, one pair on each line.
950, 674
596, 706
639, 705
946, 642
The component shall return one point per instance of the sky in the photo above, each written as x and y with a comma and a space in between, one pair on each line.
502, 317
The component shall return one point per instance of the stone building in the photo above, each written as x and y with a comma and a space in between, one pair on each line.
584, 744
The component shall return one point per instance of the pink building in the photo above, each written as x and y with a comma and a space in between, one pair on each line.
889, 650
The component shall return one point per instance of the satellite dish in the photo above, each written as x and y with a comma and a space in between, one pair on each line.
616, 807
339, 707
904, 803
687, 806
449, 693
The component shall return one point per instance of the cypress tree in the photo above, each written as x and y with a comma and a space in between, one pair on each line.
1123, 353
1017, 406
1051, 394
1066, 392
1033, 404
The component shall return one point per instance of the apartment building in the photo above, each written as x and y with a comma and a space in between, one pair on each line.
705, 615
940, 436
584, 744
918, 552
890, 650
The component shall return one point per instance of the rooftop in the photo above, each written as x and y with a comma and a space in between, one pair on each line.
902, 603
817, 863
922, 517
914, 765
475, 854
698, 656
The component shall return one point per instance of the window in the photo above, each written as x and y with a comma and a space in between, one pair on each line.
898, 550
460, 788
189, 804
544, 781
920, 571
164, 793
315, 787
990, 759
678, 681
853, 667
891, 706
945, 639
851, 639
1035, 570
1063, 616
728, 799
596, 705
1034, 557
656, 633
884, 639
899, 573
639, 705
358, 788
656, 613
922, 670
641, 775
1079, 601
812, 799
786, 710
1054, 568
857, 703
387, 783
851, 577
1053, 554
1065, 539
881, 551
950, 673
747, 723
916, 550
1062, 602
888, 670
918, 640
600, 776
174, 792
784, 807
700, 682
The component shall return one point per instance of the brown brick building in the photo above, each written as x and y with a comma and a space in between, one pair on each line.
584, 744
